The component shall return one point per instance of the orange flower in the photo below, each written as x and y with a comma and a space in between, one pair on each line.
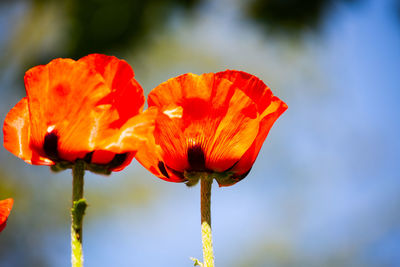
5, 209
213, 123
86, 109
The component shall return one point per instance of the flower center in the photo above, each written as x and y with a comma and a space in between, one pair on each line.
50, 145
196, 158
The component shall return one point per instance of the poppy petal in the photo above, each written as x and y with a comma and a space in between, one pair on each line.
224, 119
151, 159
81, 103
208, 87
235, 133
270, 115
70, 111
210, 104
172, 141
150, 156
252, 86
5, 209
16, 132
131, 136
177, 90
127, 94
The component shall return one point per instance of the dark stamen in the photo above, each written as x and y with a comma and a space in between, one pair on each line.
88, 157
176, 173
162, 169
50, 145
118, 160
196, 158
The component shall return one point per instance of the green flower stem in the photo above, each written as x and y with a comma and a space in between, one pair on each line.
77, 211
205, 187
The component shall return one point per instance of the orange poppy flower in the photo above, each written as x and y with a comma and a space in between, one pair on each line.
213, 123
86, 109
5, 209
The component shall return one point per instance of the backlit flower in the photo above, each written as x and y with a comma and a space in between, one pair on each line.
86, 109
5, 209
214, 122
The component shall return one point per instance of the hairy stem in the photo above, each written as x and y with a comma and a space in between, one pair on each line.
77, 211
205, 185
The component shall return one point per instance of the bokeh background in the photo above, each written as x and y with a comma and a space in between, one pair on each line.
325, 189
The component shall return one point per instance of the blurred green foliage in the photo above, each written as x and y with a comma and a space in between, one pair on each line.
115, 25
74, 28
290, 16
